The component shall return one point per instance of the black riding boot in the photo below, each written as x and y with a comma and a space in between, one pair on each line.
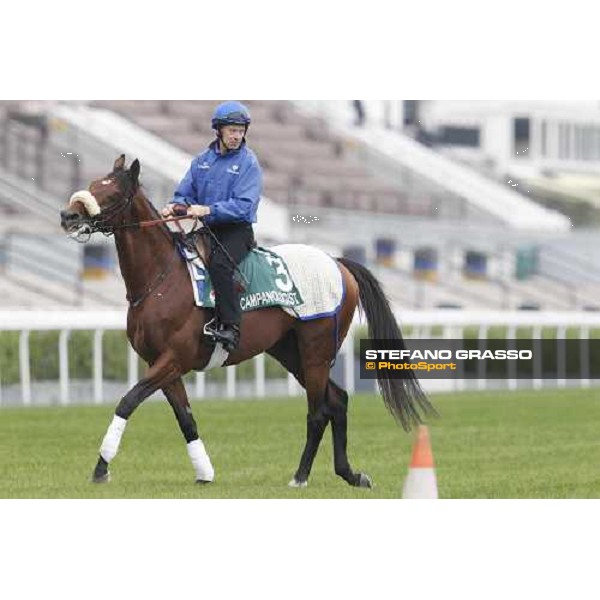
237, 239
228, 335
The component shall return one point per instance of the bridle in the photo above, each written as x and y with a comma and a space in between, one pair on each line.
103, 225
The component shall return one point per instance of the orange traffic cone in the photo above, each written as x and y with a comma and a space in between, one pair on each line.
421, 482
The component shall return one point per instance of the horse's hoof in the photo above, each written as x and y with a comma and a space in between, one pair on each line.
294, 483
364, 481
105, 478
101, 473
203, 481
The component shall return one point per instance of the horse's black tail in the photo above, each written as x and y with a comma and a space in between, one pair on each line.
403, 397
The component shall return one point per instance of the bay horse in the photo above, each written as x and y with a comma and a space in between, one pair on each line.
166, 328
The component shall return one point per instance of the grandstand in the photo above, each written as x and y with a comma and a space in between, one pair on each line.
303, 163
547, 150
353, 188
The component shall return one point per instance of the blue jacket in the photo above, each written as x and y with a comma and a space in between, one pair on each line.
230, 184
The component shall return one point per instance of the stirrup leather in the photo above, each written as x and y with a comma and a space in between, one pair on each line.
213, 330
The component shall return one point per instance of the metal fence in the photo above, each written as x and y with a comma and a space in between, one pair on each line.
416, 324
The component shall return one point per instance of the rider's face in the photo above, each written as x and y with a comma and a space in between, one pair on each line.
232, 136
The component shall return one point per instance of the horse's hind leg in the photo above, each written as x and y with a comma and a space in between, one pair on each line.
162, 373
177, 397
337, 405
326, 402
316, 420
287, 352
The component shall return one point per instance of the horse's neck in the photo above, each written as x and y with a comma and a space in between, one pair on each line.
143, 253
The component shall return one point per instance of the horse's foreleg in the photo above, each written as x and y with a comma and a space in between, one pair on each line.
177, 397
163, 372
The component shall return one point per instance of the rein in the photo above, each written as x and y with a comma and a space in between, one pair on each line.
155, 283
158, 280
165, 272
101, 226
107, 229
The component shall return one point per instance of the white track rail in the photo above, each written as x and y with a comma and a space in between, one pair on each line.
421, 324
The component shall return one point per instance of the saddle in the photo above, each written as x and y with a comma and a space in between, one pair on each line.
302, 280
262, 278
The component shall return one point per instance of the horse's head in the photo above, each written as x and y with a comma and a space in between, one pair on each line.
89, 210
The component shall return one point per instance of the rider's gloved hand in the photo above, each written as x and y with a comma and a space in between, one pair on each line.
198, 210
179, 210
167, 211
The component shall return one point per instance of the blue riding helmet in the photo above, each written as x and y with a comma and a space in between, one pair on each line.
230, 113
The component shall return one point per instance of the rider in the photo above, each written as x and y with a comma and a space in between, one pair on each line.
223, 186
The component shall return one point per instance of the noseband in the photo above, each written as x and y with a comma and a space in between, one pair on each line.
102, 224
100, 220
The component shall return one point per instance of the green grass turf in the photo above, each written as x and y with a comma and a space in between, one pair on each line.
486, 445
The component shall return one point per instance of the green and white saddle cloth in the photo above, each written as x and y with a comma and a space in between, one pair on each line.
302, 280
266, 280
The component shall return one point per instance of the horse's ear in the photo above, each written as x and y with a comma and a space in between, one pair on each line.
134, 173
119, 163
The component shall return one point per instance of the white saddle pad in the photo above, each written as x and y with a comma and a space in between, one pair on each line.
317, 278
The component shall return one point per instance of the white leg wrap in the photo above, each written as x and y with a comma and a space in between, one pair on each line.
112, 439
200, 460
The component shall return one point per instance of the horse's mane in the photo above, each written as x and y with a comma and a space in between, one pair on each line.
153, 208
125, 182
155, 213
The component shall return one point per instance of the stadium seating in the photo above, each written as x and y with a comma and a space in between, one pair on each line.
301, 162
305, 167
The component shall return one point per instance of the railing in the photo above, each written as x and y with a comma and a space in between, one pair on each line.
447, 324
66, 322
454, 323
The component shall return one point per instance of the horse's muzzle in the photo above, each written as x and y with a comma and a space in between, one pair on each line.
70, 219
